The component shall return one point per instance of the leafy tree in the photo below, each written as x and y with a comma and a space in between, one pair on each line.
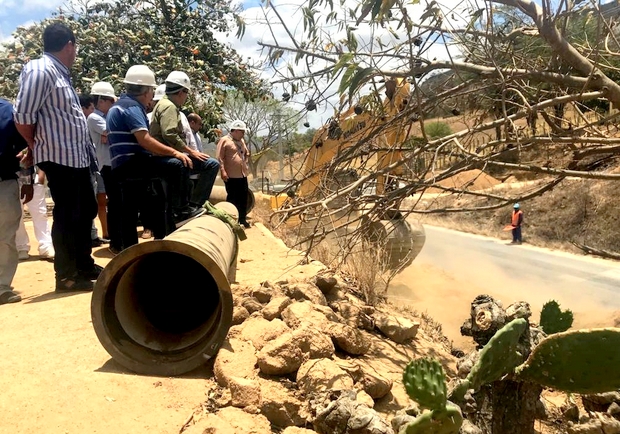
163, 34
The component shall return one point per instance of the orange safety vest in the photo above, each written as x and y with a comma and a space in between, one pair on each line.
515, 217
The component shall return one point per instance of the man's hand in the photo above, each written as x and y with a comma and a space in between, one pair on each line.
199, 155
224, 176
25, 158
187, 162
27, 191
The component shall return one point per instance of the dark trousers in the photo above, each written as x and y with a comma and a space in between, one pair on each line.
153, 185
112, 190
207, 171
516, 235
237, 194
75, 207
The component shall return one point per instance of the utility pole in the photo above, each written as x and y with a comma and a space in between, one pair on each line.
278, 116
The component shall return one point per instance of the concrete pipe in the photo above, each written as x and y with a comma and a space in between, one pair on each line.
218, 194
164, 307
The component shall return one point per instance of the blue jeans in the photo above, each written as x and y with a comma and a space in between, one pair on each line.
516, 235
207, 171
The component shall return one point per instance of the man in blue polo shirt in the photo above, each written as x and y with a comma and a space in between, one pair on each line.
11, 143
49, 116
136, 155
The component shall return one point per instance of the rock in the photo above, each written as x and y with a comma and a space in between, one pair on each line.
348, 416
520, 309
236, 358
610, 425
275, 307
401, 420
353, 315
244, 392
375, 384
325, 284
465, 365
251, 304
319, 375
262, 294
230, 420
306, 291
365, 398
296, 430
593, 426
349, 339
240, 314
313, 343
304, 312
281, 356
280, 405
469, 428
600, 401
486, 317
260, 331
570, 412
396, 328
614, 410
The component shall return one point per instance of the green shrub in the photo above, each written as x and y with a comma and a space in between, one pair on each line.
436, 130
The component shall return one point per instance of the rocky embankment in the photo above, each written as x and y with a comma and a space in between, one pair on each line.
309, 356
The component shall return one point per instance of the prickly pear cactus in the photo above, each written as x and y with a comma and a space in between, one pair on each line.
425, 383
447, 421
553, 319
499, 356
579, 361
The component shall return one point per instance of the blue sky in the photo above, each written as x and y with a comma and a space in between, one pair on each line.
14, 13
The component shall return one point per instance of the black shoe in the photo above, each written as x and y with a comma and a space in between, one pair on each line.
96, 242
71, 284
245, 224
104, 240
92, 274
186, 214
114, 250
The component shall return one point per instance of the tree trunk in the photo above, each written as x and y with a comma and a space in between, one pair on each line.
507, 407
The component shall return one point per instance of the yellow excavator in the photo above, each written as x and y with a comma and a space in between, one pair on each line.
366, 124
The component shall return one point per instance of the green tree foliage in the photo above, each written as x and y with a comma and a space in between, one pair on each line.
166, 35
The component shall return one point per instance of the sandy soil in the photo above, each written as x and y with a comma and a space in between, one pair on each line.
57, 378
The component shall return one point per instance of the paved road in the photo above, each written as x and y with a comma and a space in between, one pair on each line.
464, 265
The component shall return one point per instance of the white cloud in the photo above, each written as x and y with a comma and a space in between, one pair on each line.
21, 7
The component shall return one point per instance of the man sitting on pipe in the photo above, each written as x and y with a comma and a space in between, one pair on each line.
137, 157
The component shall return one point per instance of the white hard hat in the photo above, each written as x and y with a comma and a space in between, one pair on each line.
159, 92
102, 88
140, 75
180, 78
238, 125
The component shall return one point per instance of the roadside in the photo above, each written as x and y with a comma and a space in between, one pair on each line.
56, 376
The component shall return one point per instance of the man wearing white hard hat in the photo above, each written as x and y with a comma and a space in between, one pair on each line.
233, 156
103, 96
136, 155
168, 126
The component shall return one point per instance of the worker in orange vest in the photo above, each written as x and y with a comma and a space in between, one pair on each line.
516, 222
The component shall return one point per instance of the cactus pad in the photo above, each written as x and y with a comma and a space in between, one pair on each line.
447, 421
579, 361
425, 383
553, 319
499, 356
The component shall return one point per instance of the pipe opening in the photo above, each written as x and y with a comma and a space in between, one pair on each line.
163, 301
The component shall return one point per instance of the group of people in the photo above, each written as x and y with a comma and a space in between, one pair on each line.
143, 166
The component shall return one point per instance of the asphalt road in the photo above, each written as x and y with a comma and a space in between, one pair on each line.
462, 266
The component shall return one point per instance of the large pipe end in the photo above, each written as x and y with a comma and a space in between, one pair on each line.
162, 307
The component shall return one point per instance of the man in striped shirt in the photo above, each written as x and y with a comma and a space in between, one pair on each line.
49, 116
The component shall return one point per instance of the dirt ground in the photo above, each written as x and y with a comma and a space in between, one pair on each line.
57, 378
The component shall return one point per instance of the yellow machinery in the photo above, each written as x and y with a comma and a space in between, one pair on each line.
363, 125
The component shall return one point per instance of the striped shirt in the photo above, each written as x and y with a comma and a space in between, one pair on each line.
126, 117
47, 100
